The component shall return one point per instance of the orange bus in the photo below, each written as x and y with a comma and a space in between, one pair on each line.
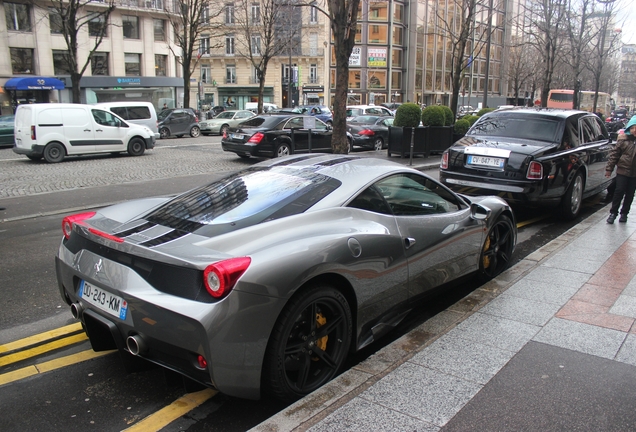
561, 98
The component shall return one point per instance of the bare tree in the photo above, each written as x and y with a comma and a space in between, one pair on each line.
544, 30
579, 36
604, 45
520, 67
189, 19
268, 29
343, 17
69, 18
460, 31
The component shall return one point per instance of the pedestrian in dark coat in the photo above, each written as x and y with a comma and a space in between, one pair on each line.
623, 157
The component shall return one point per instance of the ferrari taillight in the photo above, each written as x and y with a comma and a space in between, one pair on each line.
535, 171
444, 162
219, 278
69, 221
366, 132
256, 138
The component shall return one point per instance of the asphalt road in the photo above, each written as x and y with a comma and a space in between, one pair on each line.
98, 394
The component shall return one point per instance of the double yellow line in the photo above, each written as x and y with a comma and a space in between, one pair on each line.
30, 347
24, 349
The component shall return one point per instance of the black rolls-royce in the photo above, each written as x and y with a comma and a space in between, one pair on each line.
531, 157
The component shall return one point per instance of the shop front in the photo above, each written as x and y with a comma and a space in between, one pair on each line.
156, 90
313, 95
237, 97
29, 89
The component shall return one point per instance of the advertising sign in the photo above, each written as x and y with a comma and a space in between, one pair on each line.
377, 57
354, 58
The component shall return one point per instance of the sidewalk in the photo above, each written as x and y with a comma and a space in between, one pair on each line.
548, 345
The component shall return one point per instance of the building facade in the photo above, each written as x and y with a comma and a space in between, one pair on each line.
133, 62
236, 41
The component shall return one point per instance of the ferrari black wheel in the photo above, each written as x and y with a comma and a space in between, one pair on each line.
309, 343
496, 252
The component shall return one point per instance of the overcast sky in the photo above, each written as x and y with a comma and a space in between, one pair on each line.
627, 21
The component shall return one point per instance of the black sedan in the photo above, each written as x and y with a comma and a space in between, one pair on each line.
531, 157
278, 134
369, 131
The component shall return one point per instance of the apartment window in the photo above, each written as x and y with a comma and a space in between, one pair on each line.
204, 45
61, 64
132, 64
313, 74
398, 13
97, 25
160, 30
398, 35
230, 74
313, 15
99, 63
205, 15
55, 21
256, 45
378, 34
21, 60
161, 62
229, 14
206, 76
18, 16
131, 26
254, 78
256, 14
229, 45
378, 11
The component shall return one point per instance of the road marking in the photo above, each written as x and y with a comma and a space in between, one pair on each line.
172, 412
41, 349
531, 221
51, 365
41, 337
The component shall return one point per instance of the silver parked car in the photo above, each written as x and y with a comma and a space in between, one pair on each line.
264, 280
223, 121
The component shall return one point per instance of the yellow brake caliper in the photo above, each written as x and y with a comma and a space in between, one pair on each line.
486, 260
322, 342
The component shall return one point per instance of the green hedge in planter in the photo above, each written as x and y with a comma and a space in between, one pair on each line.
433, 115
448, 116
461, 126
407, 115
471, 119
483, 111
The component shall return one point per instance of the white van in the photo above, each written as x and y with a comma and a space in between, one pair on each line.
139, 113
52, 131
267, 107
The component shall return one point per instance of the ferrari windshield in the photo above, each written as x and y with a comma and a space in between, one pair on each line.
243, 199
536, 128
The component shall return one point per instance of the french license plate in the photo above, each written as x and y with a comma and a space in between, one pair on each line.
237, 136
109, 303
486, 161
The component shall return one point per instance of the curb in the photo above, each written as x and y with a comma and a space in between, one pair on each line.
316, 406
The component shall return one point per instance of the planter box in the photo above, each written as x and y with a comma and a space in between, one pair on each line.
400, 141
438, 138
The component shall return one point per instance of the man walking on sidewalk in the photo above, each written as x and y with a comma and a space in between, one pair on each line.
624, 158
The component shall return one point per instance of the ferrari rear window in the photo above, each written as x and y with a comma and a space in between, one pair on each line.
247, 198
517, 126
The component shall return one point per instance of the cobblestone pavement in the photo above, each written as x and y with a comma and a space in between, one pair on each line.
171, 158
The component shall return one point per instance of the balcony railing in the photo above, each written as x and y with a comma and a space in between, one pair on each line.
220, 52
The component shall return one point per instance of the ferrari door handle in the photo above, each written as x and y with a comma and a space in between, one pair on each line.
408, 242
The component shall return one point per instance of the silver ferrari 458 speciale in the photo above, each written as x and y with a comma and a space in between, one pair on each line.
264, 280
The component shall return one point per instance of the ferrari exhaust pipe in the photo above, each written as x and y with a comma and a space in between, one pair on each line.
136, 345
76, 310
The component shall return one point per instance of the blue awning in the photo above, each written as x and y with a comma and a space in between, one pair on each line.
34, 83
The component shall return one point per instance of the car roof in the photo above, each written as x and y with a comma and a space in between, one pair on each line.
538, 111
